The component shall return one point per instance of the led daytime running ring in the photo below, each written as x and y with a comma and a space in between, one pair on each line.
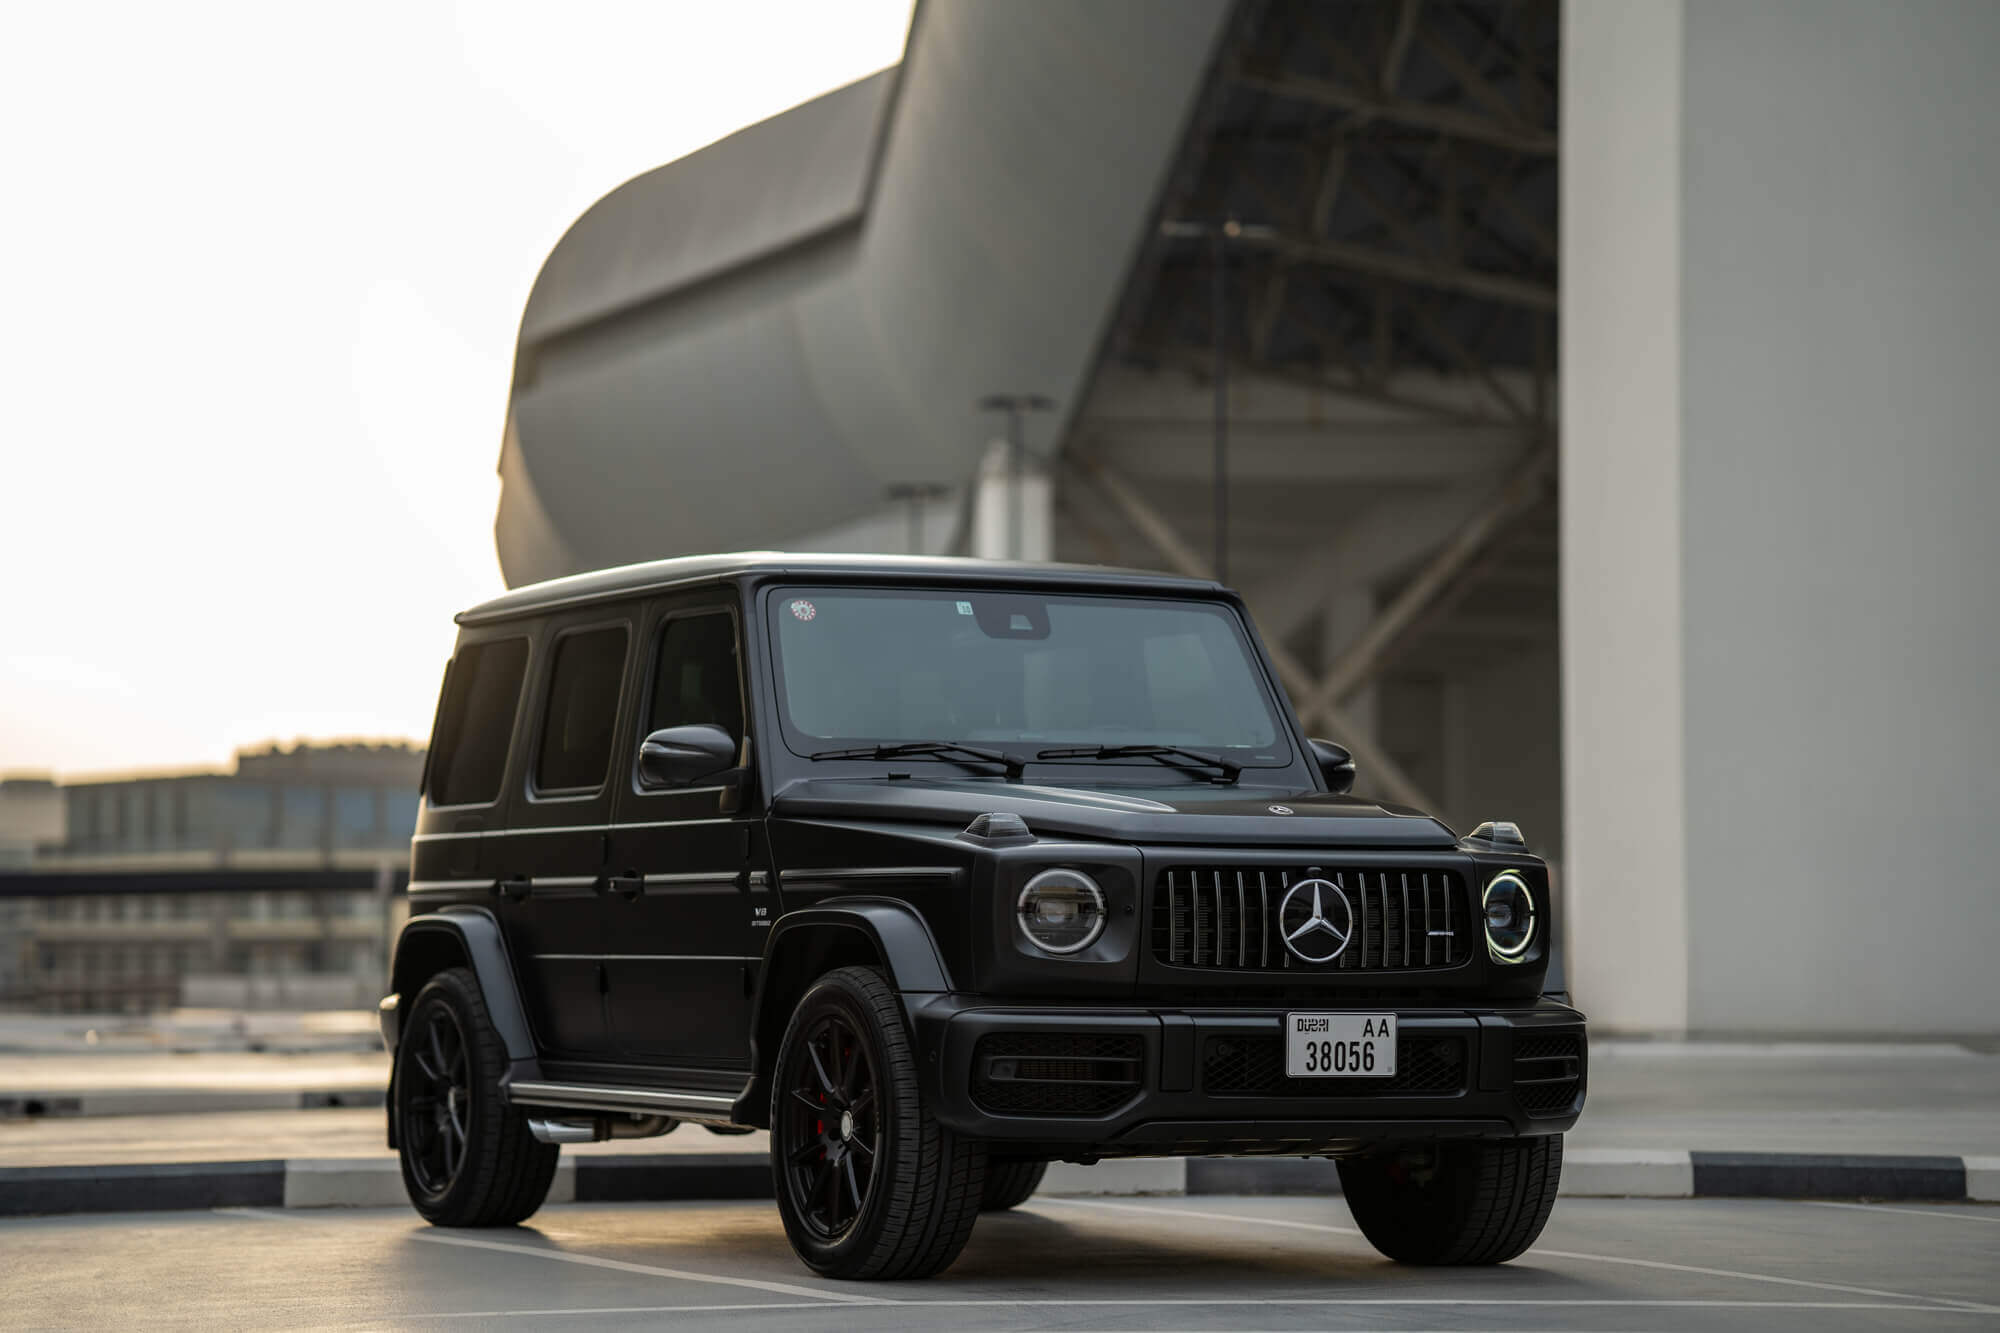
1078, 878
1520, 885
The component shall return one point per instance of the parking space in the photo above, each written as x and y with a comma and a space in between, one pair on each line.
1162, 1263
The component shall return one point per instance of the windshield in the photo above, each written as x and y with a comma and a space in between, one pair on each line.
1018, 671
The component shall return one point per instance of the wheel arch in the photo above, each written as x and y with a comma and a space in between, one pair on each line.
805, 945
461, 937
464, 937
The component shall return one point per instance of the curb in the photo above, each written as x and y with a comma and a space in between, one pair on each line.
377, 1182
180, 1101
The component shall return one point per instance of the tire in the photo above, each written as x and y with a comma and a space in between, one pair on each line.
1009, 1183
468, 1158
1476, 1202
883, 1191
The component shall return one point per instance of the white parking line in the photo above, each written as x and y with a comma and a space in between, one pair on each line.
620, 1265
1224, 1302
1951, 1213
592, 1261
1538, 1250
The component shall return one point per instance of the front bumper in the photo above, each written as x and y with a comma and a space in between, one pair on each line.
1153, 1081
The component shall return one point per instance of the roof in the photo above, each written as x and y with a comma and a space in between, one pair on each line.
655, 575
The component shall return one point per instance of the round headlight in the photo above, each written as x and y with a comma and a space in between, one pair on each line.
1061, 911
1510, 915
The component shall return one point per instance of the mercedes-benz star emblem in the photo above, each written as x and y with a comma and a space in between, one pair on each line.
1279, 809
1315, 938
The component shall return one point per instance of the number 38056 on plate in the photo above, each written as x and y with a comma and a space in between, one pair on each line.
1340, 1045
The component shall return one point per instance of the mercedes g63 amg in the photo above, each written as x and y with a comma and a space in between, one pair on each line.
941, 871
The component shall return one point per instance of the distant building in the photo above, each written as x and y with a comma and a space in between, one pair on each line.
31, 815
346, 806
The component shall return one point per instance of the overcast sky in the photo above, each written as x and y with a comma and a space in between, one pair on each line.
264, 265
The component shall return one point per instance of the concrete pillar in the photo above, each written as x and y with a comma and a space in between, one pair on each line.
1349, 611
1781, 299
994, 512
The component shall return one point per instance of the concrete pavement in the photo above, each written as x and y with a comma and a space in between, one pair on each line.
1103, 1265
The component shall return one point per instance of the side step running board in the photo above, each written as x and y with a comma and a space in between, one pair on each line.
704, 1108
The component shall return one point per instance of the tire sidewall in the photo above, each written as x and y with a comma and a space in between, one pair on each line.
834, 994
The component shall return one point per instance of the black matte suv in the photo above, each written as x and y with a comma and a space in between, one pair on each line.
940, 871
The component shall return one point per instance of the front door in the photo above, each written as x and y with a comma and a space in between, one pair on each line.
553, 857
681, 943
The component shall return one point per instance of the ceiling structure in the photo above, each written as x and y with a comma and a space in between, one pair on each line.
1365, 208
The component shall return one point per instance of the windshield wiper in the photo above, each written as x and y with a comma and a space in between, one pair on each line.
952, 750
1164, 753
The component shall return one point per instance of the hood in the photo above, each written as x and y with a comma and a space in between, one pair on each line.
1233, 815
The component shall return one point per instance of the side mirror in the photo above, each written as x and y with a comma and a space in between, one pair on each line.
1335, 764
683, 756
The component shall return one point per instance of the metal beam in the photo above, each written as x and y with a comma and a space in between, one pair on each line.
1445, 120
1419, 270
1366, 657
1350, 385
1469, 77
1377, 543
1398, 51
1157, 530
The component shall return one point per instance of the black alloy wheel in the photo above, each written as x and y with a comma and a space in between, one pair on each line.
868, 1183
468, 1158
437, 1100
833, 1121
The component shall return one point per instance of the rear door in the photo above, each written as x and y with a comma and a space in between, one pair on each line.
679, 919
552, 862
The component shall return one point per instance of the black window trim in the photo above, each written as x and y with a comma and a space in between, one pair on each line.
643, 694
499, 796
537, 795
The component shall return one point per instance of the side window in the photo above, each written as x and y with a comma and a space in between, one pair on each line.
469, 748
695, 675
582, 707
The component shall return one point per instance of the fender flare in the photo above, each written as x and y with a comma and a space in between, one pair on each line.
485, 948
895, 932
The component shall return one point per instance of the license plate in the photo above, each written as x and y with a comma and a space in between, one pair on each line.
1340, 1045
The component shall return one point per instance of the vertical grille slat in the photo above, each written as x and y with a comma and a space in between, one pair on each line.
1427, 920
1221, 924
1243, 923
1216, 920
1406, 918
1264, 920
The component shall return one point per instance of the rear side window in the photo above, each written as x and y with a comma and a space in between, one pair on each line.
695, 677
575, 752
469, 750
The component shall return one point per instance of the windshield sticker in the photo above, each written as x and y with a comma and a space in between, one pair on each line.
965, 608
803, 609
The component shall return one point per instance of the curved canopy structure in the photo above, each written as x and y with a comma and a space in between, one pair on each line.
760, 340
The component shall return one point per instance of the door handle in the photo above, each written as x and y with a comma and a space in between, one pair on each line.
515, 888
628, 885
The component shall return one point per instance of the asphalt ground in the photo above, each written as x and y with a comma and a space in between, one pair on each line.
1155, 1265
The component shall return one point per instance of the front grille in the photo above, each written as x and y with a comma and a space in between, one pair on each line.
1252, 1066
1228, 917
1056, 1073
1548, 1071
